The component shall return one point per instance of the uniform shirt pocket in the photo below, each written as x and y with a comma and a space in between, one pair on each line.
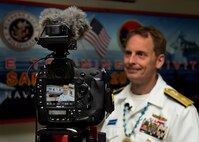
112, 133
146, 138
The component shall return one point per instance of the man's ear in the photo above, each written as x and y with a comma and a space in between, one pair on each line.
160, 61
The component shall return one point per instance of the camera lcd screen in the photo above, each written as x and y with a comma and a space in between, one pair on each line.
60, 95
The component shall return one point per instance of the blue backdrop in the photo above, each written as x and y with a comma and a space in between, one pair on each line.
18, 50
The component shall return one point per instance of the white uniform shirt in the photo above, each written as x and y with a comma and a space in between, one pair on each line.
165, 120
66, 97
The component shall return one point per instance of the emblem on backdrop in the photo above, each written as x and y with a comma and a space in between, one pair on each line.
124, 29
19, 29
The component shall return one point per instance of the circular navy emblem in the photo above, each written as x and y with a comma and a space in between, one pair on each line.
19, 29
124, 29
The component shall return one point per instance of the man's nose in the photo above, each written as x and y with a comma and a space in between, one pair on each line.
132, 58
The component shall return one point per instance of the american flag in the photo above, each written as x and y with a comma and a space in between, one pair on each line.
98, 37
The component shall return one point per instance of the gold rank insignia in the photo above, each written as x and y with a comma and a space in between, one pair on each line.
117, 90
177, 96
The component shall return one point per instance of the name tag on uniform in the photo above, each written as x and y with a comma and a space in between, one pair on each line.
112, 122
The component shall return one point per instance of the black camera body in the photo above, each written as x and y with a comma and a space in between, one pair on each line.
68, 96
86, 109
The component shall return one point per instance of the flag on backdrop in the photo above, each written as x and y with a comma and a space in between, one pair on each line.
98, 37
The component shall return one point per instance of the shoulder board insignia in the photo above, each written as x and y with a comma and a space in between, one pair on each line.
117, 90
179, 97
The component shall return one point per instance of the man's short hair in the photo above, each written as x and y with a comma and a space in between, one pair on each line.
157, 36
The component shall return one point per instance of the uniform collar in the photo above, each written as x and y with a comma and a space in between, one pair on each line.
156, 96
121, 97
125, 92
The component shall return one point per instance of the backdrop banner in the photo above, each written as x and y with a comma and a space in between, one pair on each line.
102, 47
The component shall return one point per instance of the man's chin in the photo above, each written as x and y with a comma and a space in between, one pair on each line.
133, 78
132, 75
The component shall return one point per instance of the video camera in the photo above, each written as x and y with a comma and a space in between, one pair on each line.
89, 95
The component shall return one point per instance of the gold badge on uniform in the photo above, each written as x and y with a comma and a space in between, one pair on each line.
127, 139
148, 140
159, 117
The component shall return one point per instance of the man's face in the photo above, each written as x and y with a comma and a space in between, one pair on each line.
140, 61
65, 87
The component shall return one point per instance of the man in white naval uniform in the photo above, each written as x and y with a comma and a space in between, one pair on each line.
147, 109
66, 95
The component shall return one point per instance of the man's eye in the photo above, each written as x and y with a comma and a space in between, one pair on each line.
127, 53
141, 54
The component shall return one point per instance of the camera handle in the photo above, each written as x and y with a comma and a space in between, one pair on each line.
69, 135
